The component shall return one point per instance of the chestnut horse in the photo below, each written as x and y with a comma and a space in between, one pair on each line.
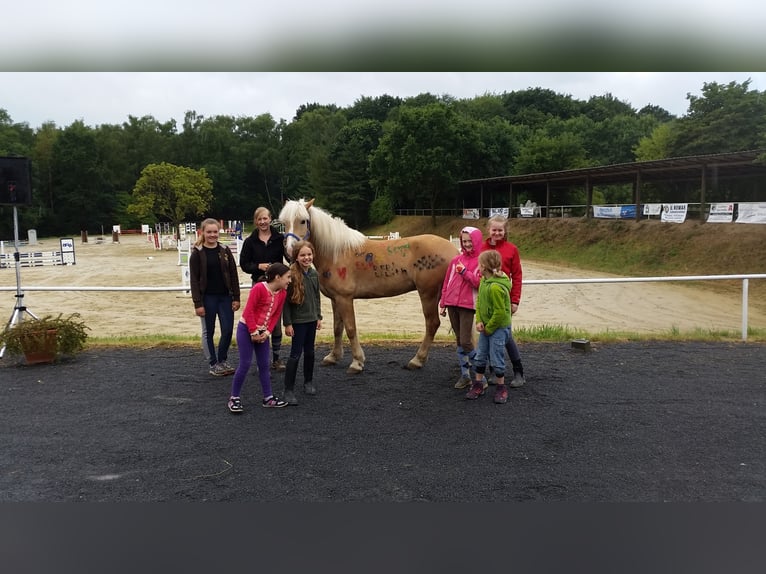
350, 266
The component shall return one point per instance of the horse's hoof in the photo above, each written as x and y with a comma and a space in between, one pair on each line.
413, 366
328, 361
354, 370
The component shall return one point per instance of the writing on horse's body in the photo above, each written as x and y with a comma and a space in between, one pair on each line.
351, 266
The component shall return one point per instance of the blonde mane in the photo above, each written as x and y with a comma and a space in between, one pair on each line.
329, 234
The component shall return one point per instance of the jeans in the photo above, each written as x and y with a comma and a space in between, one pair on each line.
492, 347
217, 306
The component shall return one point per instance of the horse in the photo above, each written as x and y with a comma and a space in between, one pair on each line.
351, 266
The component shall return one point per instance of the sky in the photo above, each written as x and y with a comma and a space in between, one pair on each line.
100, 61
111, 97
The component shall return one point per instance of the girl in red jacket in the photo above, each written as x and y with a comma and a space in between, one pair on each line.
262, 312
509, 253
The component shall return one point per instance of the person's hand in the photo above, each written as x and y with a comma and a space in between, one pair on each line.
235, 305
319, 324
289, 331
480, 327
199, 311
514, 308
459, 267
259, 336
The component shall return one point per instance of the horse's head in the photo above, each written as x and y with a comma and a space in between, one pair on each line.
295, 217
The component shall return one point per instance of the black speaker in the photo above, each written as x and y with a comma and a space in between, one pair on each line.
15, 181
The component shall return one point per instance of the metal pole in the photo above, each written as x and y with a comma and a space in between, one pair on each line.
745, 284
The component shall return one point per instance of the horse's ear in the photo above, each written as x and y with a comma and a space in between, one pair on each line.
310, 202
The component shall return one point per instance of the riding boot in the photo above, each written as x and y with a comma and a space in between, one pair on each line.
290, 373
518, 375
308, 374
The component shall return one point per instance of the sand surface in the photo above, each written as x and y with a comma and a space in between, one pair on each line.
134, 262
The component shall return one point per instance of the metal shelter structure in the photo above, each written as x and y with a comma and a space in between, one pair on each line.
707, 169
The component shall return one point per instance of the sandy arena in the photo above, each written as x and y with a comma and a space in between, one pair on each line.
134, 262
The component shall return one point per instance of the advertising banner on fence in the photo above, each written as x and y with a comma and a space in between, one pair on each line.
616, 212
674, 212
751, 213
652, 209
470, 214
527, 211
721, 213
498, 211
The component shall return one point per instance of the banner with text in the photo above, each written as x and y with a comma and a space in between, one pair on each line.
498, 211
721, 213
674, 212
652, 209
751, 213
616, 212
470, 214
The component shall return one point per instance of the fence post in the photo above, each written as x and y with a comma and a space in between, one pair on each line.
745, 285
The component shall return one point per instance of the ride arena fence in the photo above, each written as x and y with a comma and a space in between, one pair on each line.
745, 278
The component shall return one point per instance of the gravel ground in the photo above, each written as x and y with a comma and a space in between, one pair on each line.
651, 421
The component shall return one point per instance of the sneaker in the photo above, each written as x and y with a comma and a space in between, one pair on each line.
218, 370
235, 405
463, 383
309, 388
274, 402
477, 389
278, 366
501, 394
517, 381
290, 398
227, 368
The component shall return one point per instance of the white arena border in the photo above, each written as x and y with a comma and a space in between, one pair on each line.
745, 286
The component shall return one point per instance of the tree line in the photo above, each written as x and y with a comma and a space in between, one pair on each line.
361, 162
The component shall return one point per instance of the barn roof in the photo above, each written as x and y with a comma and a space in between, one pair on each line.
731, 164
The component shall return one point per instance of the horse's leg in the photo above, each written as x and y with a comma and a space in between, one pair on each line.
430, 304
345, 308
336, 354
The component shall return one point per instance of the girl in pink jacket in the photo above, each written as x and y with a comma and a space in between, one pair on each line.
458, 299
261, 315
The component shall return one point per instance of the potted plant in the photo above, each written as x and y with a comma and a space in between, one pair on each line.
45, 339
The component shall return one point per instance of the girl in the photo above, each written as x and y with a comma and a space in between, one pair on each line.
261, 314
493, 322
214, 284
302, 316
458, 299
511, 263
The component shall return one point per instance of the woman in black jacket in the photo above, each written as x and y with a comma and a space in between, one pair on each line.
264, 246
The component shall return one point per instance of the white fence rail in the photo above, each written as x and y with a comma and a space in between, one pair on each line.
744, 278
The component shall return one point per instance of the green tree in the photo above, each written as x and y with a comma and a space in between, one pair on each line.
423, 154
657, 145
725, 118
377, 108
306, 144
83, 198
347, 192
167, 192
